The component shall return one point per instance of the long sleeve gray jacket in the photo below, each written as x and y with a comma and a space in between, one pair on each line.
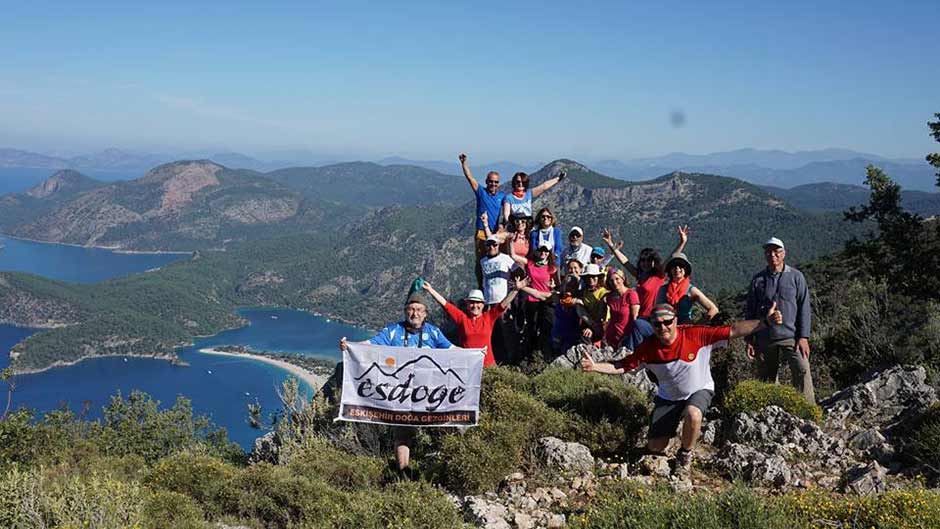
789, 290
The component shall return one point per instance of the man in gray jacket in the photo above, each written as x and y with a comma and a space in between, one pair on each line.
785, 338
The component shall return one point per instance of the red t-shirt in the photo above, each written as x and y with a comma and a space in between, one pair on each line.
682, 367
476, 332
647, 288
620, 315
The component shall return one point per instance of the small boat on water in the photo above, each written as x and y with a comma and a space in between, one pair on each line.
209, 371
273, 317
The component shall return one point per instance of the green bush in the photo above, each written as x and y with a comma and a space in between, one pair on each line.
342, 470
624, 505
924, 439
606, 414
203, 478
753, 396
278, 498
510, 421
164, 509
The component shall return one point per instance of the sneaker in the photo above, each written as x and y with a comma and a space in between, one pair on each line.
683, 467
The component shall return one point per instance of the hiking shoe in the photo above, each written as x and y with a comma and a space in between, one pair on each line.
683, 468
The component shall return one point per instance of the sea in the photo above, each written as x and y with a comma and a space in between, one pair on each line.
219, 387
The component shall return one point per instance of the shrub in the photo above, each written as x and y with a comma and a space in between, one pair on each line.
898, 509
924, 439
753, 396
278, 498
165, 509
342, 470
627, 505
608, 416
202, 477
510, 421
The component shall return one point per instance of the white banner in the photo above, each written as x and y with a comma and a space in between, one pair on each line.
407, 386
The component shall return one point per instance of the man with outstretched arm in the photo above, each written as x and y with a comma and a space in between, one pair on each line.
679, 356
490, 202
413, 331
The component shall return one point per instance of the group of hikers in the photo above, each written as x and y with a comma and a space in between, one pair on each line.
537, 295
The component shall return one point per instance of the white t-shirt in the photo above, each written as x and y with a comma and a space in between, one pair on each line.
496, 277
583, 254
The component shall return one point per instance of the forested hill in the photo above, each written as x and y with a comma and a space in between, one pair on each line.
829, 197
361, 268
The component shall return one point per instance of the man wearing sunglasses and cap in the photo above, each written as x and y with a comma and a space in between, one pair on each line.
489, 201
679, 356
576, 248
789, 341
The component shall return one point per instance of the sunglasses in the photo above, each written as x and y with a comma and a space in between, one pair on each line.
543, 250
517, 182
493, 182
491, 244
545, 217
664, 323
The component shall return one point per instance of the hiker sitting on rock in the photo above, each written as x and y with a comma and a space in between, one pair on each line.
679, 356
475, 327
413, 331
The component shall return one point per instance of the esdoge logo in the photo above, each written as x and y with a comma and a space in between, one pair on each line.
378, 385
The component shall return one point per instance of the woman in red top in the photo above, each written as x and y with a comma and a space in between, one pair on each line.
475, 327
649, 272
624, 306
540, 315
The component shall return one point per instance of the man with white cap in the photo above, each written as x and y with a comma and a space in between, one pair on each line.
576, 248
496, 267
788, 339
475, 327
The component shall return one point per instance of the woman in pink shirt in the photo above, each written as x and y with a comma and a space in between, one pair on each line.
475, 327
540, 316
624, 306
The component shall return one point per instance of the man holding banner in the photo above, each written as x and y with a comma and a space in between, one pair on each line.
392, 379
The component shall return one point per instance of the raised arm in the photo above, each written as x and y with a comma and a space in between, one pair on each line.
615, 250
467, 173
501, 232
548, 184
520, 284
588, 364
744, 328
683, 239
504, 215
441, 300
710, 308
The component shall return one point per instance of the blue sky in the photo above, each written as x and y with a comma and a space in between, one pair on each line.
502, 80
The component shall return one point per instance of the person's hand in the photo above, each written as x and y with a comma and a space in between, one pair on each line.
462, 157
521, 283
774, 316
342, 345
608, 238
751, 353
425, 285
802, 347
485, 218
683, 234
587, 332
587, 363
619, 245
562, 174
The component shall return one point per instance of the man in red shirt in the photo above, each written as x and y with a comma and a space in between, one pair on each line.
679, 356
475, 327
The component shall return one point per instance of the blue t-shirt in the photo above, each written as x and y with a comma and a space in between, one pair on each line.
396, 335
520, 207
491, 204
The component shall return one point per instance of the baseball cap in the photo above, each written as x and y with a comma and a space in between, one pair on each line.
576, 229
598, 251
773, 241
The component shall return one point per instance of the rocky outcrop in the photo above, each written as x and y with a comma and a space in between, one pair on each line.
572, 359
62, 182
570, 457
881, 402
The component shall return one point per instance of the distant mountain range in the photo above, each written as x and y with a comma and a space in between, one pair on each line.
761, 167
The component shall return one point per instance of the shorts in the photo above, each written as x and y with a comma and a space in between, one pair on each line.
667, 414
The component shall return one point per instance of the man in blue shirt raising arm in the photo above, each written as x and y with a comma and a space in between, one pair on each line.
489, 200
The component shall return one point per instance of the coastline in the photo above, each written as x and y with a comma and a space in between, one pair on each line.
115, 249
314, 381
61, 363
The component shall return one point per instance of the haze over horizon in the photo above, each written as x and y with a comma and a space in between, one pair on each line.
525, 82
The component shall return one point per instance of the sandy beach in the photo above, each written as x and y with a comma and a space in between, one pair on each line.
314, 381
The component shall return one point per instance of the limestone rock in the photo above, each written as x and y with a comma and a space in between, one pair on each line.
753, 466
865, 480
884, 400
555, 453
265, 449
653, 465
486, 513
873, 445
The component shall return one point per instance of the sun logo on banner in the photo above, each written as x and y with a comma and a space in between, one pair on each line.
389, 361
